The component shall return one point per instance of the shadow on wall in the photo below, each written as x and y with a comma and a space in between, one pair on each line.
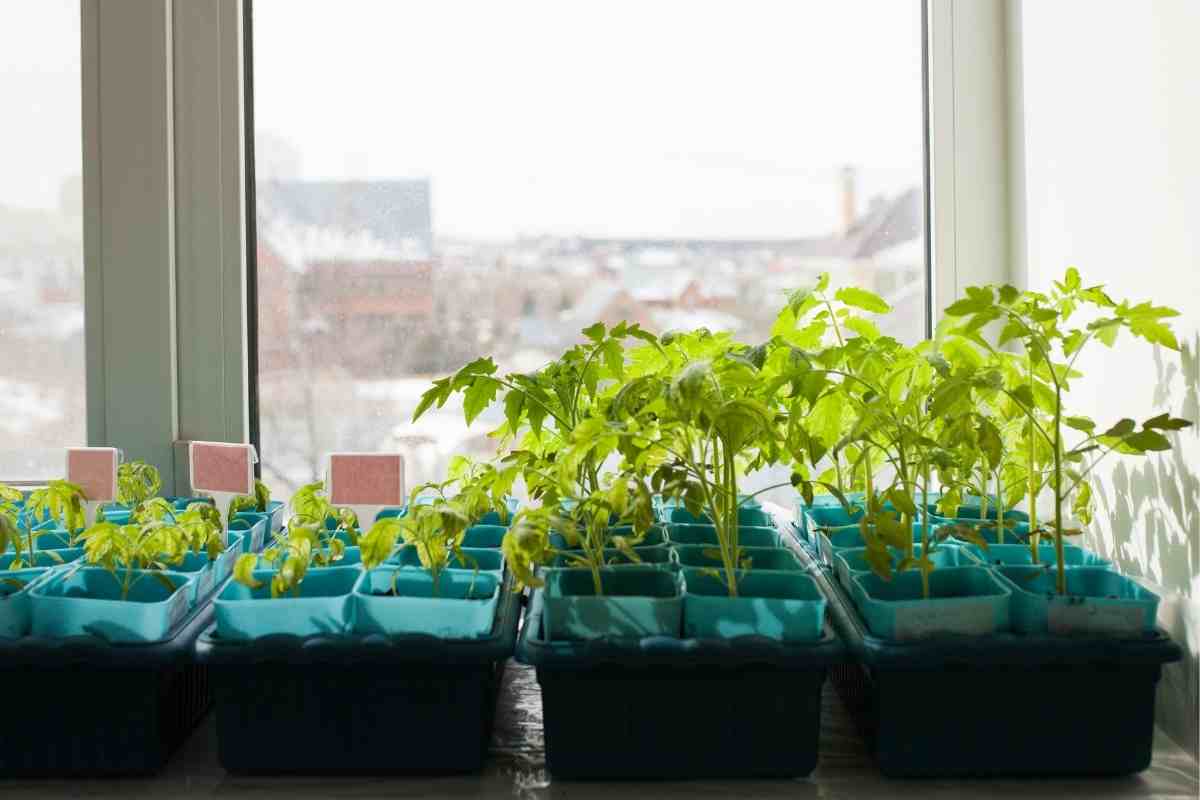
1148, 523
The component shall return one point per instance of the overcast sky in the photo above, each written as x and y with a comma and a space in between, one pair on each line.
725, 119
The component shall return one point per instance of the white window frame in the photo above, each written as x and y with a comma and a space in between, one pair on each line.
164, 164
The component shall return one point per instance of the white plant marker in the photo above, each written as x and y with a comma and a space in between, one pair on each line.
222, 471
94, 469
366, 483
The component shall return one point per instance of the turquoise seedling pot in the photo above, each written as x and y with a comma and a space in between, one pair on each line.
832, 540
45, 558
654, 557
223, 566
636, 603
88, 601
484, 536
16, 605
258, 525
493, 518
485, 559
762, 559
203, 576
324, 606
1019, 555
849, 562
50, 536
748, 535
966, 601
785, 606
276, 511
746, 516
463, 608
1098, 602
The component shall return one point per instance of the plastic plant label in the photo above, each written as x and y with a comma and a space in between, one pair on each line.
366, 479
222, 467
922, 620
1113, 619
366, 483
94, 469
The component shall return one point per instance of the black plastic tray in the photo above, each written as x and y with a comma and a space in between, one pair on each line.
1000, 705
358, 704
665, 708
80, 706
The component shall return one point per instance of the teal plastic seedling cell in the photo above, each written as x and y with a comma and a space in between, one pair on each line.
203, 575
635, 603
512, 505
253, 527
748, 535
830, 541
88, 601
851, 562
761, 559
483, 559
1097, 602
484, 536
657, 557
396, 601
1020, 555
746, 516
16, 606
785, 606
43, 558
223, 566
323, 606
964, 601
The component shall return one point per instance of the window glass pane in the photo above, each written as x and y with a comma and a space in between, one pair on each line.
42, 394
442, 180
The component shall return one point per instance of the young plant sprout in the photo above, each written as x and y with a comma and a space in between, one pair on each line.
314, 537
260, 501
434, 529
1041, 323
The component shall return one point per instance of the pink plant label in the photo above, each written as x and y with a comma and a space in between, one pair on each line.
94, 469
366, 479
222, 467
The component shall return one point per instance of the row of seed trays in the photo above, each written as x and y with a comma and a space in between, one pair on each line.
352, 651
98, 621
986, 640
673, 633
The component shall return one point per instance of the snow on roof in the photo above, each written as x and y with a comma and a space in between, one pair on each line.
300, 245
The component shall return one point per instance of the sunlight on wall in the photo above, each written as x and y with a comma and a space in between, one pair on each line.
1113, 187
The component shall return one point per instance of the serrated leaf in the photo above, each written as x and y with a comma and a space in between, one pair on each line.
861, 298
478, 396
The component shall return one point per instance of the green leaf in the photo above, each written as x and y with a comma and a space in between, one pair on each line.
1123, 428
861, 298
1154, 331
1165, 422
478, 397
243, 570
1080, 424
514, 405
594, 332
1147, 441
863, 327
1082, 507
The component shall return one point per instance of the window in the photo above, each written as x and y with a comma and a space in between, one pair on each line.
439, 181
42, 380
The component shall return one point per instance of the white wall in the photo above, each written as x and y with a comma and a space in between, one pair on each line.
1112, 185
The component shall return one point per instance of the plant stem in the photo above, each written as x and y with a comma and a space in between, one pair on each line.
924, 534
999, 508
1061, 581
1034, 537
